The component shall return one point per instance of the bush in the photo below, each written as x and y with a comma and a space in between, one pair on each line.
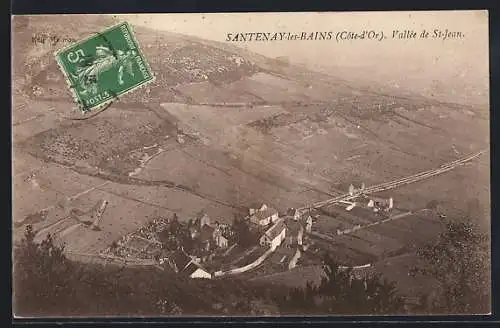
341, 293
46, 283
459, 264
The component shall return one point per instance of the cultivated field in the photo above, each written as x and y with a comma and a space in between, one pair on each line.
255, 133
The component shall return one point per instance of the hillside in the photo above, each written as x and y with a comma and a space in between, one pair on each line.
256, 130
176, 60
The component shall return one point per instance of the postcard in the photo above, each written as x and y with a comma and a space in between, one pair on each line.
251, 164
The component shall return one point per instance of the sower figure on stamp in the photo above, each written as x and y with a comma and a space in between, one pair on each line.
87, 75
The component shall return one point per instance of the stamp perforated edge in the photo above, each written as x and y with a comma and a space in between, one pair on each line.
76, 97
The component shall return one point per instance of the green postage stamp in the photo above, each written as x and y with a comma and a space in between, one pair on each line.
104, 66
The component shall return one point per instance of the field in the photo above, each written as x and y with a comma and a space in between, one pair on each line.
229, 164
297, 277
286, 137
395, 269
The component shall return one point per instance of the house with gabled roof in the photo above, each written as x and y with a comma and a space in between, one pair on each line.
196, 271
183, 264
274, 235
264, 215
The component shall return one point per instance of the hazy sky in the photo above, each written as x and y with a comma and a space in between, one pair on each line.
411, 62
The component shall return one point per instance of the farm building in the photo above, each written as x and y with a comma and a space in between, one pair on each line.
196, 271
186, 265
263, 216
274, 235
380, 204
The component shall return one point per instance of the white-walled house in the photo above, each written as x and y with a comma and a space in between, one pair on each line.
274, 235
379, 204
196, 271
309, 222
186, 265
264, 215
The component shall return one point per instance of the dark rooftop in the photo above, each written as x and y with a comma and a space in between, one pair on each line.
191, 268
181, 259
276, 229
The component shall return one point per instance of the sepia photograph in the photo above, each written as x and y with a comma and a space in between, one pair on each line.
251, 164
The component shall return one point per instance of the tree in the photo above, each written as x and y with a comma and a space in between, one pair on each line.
459, 264
242, 233
47, 283
174, 225
42, 274
168, 241
340, 292
184, 238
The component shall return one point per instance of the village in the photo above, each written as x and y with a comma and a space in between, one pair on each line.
262, 242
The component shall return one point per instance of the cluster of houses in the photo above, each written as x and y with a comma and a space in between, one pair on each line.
214, 238
288, 230
377, 204
209, 234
